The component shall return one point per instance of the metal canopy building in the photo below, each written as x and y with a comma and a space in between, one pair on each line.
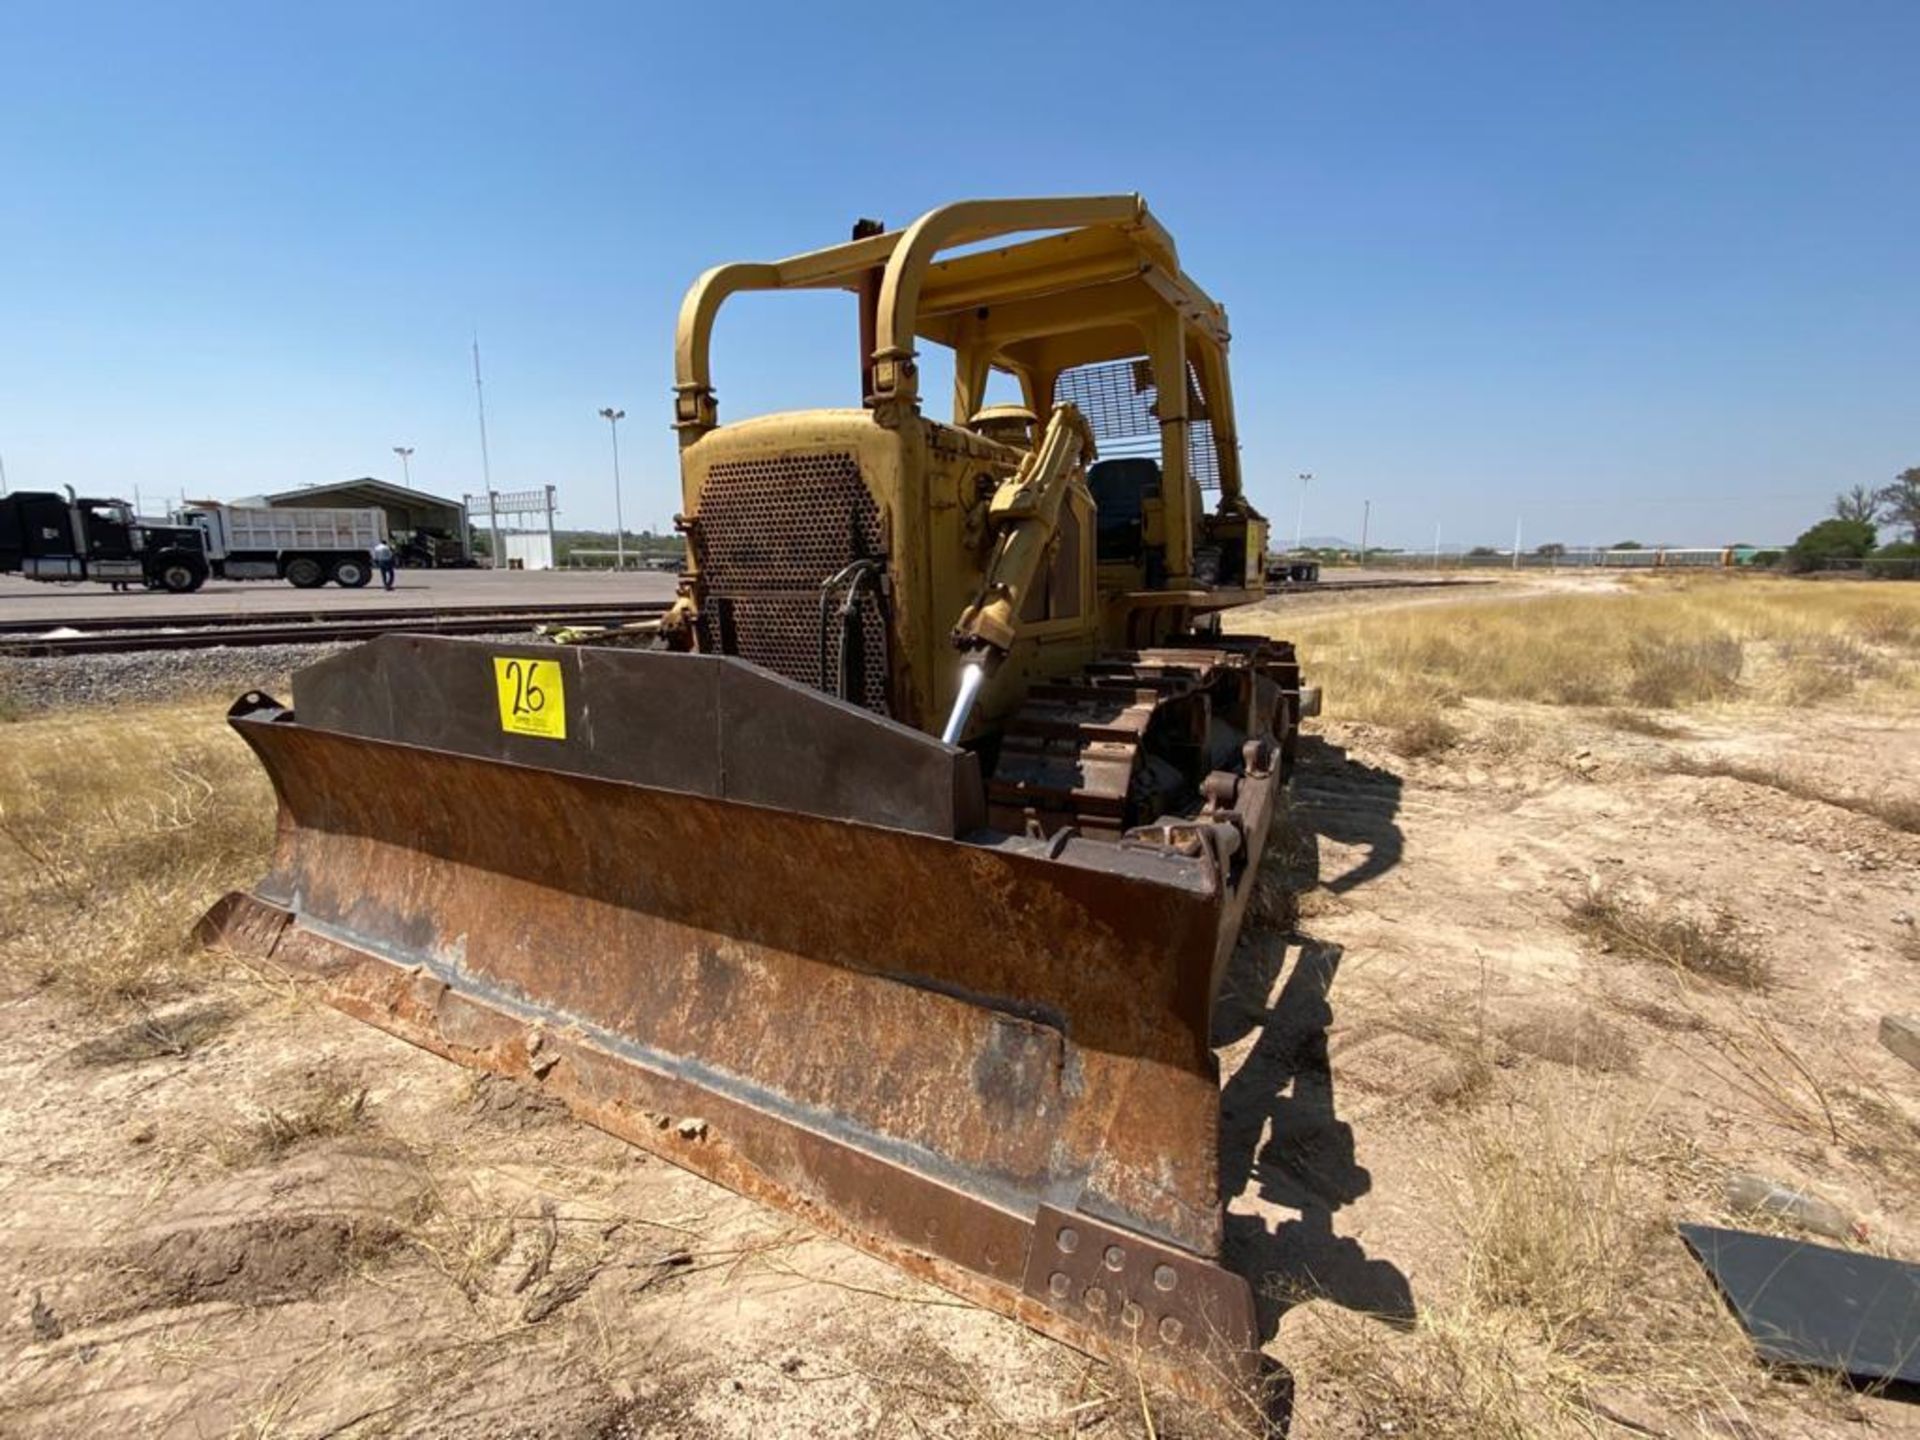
407, 510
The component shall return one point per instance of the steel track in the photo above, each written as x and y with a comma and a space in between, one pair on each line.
318, 615
29, 638
255, 630
1327, 587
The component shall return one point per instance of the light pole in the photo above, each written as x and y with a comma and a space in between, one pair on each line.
405, 452
613, 418
1300, 517
1366, 514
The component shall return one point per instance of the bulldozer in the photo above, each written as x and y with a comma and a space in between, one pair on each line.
894, 883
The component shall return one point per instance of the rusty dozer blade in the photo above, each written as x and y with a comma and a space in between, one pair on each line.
766, 935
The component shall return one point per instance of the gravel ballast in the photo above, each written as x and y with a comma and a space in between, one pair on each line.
39, 685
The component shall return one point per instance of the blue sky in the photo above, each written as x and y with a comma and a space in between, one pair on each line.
1626, 268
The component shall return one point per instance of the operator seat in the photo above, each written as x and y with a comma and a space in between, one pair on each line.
1121, 489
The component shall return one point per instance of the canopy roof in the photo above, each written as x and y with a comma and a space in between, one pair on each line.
1100, 283
366, 491
1071, 298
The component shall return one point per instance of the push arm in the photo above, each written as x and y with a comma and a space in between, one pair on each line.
1024, 514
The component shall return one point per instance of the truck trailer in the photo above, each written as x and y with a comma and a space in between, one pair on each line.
306, 548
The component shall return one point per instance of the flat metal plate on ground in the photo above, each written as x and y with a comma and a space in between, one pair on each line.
1816, 1305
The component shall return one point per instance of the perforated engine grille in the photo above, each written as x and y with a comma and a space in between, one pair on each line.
769, 532
1118, 396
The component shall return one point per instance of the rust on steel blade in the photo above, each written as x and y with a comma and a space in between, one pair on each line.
981, 1057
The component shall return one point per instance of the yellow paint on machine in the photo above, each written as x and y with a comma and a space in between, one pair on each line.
533, 698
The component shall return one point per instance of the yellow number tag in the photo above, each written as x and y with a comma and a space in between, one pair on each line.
532, 701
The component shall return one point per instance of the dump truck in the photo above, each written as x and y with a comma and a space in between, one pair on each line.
46, 536
306, 547
895, 887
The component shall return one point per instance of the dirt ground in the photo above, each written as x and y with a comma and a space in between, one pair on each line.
1438, 943
239, 1213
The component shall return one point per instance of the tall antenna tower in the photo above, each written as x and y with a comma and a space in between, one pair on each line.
480, 399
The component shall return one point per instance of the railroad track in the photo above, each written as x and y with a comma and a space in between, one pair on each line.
203, 632
1324, 587
38, 638
320, 615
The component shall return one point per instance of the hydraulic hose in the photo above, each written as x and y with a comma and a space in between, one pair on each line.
852, 576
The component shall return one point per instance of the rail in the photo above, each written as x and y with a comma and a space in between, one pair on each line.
210, 632
1324, 587
32, 639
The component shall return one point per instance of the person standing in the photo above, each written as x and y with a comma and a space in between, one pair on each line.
383, 557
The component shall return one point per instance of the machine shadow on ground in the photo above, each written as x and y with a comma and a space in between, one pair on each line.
1348, 802
1282, 1143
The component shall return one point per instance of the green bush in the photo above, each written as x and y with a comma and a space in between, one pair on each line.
1898, 561
1831, 540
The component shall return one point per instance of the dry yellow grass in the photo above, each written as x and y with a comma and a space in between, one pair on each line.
119, 828
1572, 1309
1549, 1231
1655, 645
1548, 1326
1714, 949
322, 1107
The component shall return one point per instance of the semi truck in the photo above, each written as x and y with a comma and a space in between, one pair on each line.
45, 536
305, 548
